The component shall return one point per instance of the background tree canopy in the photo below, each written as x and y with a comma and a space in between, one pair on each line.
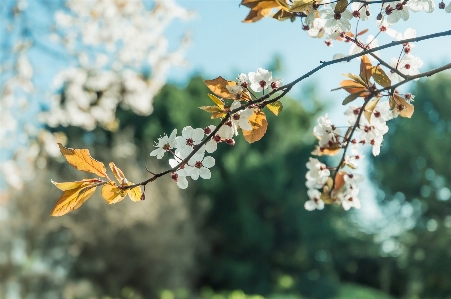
246, 228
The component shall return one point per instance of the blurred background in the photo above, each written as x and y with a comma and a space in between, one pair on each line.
112, 76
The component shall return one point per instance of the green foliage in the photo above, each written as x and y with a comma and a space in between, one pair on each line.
414, 164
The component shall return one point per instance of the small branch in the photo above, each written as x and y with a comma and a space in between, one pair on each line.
370, 96
264, 100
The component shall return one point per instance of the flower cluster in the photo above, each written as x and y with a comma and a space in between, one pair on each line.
189, 150
367, 125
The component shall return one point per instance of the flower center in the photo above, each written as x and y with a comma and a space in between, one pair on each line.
337, 16
399, 6
236, 116
166, 147
262, 83
377, 114
407, 66
356, 14
190, 142
198, 164
274, 85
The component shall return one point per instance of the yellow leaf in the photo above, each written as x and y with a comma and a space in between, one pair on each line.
341, 6
118, 173
380, 77
74, 185
301, 5
217, 101
73, 198
112, 193
259, 125
219, 85
214, 110
369, 108
366, 69
134, 193
275, 107
82, 160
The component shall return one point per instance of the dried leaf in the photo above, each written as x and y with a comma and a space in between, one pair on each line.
301, 5
351, 97
369, 108
257, 15
275, 107
112, 193
82, 160
259, 125
218, 87
341, 6
380, 77
74, 197
366, 69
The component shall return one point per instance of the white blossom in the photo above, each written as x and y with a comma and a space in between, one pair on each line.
315, 202
164, 144
190, 137
260, 80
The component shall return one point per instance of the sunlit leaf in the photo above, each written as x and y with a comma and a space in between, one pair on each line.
275, 107
366, 69
82, 160
353, 87
259, 127
339, 180
112, 193
405, 109
380, 77
355, 78
73, 198
216, 100
369, 108
283, 15
218, 87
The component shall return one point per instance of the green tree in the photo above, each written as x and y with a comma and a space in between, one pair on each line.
414, 176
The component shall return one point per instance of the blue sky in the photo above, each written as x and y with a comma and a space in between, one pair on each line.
224, 46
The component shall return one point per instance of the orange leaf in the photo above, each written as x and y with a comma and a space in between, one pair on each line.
339, 180
366, 69
82, 160
301, 5
353, 87
405, 109
112, 193
218, 87
257, 15
74, 196
282, 15
259, 126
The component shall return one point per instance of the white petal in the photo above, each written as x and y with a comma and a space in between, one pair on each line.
182, 182
309, 205
211, 146
208, 162
205, 173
